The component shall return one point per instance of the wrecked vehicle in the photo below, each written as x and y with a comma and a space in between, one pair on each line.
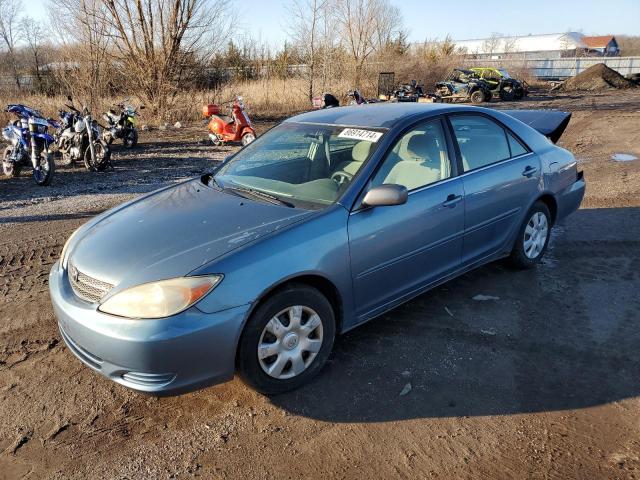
463, 85
501, 83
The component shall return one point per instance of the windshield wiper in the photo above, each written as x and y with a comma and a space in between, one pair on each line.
264, 196
215, 182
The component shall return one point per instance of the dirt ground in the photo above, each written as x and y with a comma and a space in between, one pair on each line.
542, 382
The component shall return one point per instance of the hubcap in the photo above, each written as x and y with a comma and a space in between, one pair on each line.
535, 235
290, 342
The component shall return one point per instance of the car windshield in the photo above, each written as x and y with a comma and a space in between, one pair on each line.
299, 165
504, 73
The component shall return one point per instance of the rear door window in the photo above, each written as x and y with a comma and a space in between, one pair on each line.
481, 141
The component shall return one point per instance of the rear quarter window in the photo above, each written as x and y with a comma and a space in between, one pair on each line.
516, 147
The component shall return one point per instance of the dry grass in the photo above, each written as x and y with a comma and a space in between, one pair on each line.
263, 98
49, 106
268, 97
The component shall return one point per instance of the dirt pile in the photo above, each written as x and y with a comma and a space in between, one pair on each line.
597, 77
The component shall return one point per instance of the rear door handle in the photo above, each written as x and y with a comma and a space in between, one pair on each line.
529, 171
452, 200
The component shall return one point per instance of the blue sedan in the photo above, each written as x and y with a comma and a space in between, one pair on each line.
327, 221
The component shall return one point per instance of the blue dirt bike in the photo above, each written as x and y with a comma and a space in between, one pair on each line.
28, 144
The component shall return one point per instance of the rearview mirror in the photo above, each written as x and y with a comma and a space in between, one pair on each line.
385, 195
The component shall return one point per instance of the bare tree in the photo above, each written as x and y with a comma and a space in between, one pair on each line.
364, 26
306, 33
509, 45
158, 42
9, 31
33, 34
491, 44
85, 68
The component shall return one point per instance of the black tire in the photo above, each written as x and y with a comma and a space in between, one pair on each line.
519, 258
477, 96
507, 92
519, 93
66, 157
130, 139
44, 176
103, 156
247, 362
10, 169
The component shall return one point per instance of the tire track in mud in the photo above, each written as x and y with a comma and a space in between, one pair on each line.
24, 266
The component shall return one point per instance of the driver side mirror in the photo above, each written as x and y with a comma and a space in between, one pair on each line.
385, 195
69, 98
141, 107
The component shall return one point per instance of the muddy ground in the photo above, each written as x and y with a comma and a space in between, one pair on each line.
543, 382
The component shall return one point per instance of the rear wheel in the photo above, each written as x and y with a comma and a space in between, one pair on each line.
287, 340
247, 138
477, 96
130, 138
9, 168
533, 237
64, 148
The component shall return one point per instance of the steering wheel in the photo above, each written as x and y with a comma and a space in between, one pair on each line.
341, 177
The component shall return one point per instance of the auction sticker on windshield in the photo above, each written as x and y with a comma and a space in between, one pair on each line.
360, 134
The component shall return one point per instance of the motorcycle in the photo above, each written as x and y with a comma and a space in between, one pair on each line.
229, 128
357, 98
122, 125
409, 92
29, 144
78, 138
326, 100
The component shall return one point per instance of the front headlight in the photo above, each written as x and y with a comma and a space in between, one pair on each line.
160, 299
63, 255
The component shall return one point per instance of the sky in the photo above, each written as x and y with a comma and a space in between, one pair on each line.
427, 19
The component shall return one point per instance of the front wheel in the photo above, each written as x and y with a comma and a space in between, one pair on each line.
102, 156
9, 168
287, 340
43, 173
533, 237
507, 93
247, 138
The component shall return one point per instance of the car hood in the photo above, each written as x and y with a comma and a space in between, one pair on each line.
173, 231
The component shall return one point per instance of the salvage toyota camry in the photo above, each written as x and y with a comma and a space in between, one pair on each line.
328, 220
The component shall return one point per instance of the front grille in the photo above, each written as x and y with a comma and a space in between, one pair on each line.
87, 288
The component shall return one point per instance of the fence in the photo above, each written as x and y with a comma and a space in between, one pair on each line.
561, 68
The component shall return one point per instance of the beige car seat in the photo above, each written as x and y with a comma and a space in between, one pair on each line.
422, 162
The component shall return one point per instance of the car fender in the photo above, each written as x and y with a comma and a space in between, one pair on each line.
317, 246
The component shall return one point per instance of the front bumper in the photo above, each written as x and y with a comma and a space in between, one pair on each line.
167, 356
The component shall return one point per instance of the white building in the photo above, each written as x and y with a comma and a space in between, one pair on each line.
552, 45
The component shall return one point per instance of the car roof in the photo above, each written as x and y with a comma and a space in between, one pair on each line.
376, 115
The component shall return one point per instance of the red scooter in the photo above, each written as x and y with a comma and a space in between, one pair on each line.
225, 128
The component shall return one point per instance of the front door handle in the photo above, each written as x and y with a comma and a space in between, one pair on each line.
452, 200
529, 171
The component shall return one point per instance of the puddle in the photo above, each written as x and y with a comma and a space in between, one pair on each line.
623, 157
